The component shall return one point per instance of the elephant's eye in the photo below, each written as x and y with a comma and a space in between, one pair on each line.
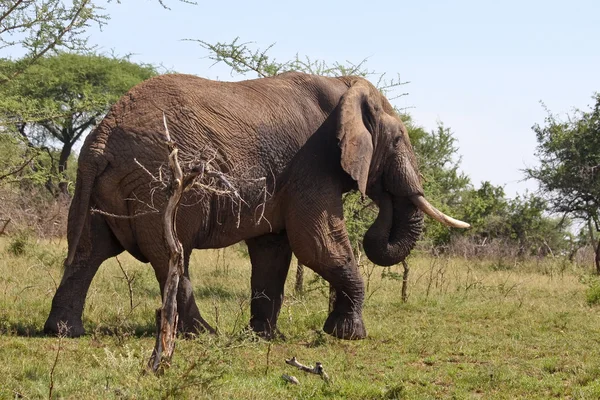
397, 140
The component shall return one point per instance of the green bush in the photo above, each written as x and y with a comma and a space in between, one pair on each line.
18, 243
593, 293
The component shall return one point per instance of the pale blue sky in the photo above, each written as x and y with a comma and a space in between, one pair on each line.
480, 67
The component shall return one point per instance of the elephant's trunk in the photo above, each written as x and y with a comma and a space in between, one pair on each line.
398, 226
395, 231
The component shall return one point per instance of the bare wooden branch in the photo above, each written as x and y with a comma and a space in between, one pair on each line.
118, 216
178, 184
317, 369
63, 331
291, 379
167, 134
129, 280
154, 178
167, 330
192, 173
299, 285
4, 225
405, 281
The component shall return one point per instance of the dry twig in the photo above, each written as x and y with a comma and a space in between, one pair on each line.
317, 369
405, 281
63, 330
129, 280
291, 379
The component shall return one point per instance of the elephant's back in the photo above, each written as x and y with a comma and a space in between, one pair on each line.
226, 112
141, 110
234, 118
210, 101
255, 125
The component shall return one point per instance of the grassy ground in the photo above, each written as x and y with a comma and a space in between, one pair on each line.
471, 329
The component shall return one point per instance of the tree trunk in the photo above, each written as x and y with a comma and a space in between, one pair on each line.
62, 168
405, 282
598, 258
167, 316
596, 246
299, 286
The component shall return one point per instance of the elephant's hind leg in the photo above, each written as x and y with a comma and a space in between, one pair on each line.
270, 256
69, 300
189, 319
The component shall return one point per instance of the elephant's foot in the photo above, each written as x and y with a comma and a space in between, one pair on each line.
196, 327
345, 326
266, 330
190, 322
189, 325
60, 323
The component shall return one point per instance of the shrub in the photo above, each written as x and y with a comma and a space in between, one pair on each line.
19, 243
593, 293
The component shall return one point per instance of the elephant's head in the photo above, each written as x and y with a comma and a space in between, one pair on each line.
376, 152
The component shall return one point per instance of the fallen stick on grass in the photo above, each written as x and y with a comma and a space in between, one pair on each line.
317, 369
291, 379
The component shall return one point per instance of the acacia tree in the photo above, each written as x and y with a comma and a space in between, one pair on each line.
569, 170
533, 230
39, 26
439, 165
60, 97
34, 29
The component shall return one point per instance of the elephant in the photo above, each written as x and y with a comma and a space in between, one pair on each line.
292, 145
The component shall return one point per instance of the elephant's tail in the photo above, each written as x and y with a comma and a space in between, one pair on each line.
78, 224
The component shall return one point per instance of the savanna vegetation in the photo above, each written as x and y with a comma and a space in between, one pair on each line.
492, 328
506, 309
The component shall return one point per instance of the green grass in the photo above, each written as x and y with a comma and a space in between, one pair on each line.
469, 330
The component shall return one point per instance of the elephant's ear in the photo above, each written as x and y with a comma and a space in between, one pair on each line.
358, 109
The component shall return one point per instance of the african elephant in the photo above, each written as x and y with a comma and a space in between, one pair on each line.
294, 143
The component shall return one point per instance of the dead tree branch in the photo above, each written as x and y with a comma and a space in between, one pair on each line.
5, 223
63, 331
299, 284
194, 174
405, 281
129, 280
167, 329
291, 379
317, 369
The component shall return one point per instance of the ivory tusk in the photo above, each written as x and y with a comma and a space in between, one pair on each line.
423, 205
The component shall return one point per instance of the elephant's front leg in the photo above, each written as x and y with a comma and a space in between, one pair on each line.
318, 237
345, 320
270, 256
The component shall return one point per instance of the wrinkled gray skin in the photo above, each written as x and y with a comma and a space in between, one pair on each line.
313, 138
